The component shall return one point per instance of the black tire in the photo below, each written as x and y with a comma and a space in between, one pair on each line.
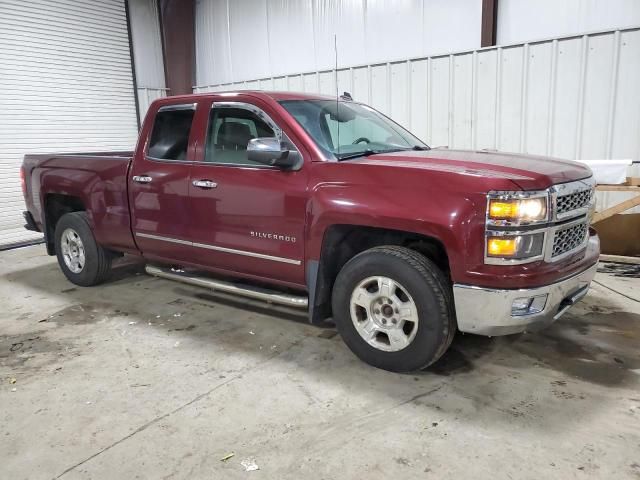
97, 264
424, 282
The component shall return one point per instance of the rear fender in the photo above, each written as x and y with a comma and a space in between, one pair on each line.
102, 194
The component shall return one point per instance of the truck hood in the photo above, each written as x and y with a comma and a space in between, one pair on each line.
529, 172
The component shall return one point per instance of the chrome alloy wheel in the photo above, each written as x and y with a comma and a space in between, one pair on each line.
72, 250
384, 314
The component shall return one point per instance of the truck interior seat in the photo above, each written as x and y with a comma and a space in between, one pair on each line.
233, 136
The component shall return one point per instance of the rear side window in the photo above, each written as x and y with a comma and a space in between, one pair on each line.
170, 135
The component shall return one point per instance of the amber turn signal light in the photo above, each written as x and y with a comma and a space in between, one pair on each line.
501, 247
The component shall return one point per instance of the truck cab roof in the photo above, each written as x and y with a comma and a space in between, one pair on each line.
262, 94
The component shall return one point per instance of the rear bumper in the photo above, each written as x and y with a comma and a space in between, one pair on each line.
30, 222
487, 311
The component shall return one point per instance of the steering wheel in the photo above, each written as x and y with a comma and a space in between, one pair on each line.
361, 139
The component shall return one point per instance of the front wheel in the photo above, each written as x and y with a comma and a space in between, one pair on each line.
81, 259
393, 308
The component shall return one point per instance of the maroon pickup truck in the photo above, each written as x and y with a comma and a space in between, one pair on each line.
328, 205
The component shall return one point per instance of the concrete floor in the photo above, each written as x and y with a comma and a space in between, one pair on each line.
145, 378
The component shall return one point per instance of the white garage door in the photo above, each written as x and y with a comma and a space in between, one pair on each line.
65, 85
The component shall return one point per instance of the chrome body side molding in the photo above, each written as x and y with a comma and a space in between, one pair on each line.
217, 248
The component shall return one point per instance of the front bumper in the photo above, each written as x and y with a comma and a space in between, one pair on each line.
487, 311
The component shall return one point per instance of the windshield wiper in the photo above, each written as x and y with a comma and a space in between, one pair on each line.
364, 153
367, 152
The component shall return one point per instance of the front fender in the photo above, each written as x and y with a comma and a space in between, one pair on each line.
446, 216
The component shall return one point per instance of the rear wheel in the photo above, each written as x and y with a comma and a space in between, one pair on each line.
81, 259
393, 308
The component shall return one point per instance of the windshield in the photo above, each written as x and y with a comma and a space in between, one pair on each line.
347, 130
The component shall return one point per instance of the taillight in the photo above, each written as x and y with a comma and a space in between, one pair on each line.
22, 182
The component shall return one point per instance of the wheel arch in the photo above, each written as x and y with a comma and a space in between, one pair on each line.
55, 206
341, 242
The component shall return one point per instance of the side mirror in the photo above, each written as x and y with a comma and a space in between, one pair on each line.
270, 151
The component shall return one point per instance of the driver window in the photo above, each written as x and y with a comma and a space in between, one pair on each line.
229, 132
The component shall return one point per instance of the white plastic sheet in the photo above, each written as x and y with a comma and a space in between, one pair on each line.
610, 172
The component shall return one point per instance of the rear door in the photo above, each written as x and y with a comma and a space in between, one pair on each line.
247, 217
159, 184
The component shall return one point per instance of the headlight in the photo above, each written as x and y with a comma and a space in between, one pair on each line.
503, 210
507, 245
516, 247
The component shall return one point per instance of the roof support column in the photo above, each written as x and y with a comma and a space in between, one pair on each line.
177, 22
489, 23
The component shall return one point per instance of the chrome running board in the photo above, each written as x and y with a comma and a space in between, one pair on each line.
258, 293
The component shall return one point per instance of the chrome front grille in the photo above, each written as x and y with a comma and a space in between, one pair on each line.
574, 201
568, 239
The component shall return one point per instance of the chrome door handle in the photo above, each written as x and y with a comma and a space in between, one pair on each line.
204, 184
142, 179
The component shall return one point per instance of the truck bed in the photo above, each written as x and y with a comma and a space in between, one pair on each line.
37, 159
97, 179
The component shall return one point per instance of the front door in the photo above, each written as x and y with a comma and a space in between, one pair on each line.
246, 217
159, 185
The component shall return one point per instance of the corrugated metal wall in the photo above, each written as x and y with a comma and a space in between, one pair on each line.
526, 20
247, 39
65, 85
147, 52
575, 97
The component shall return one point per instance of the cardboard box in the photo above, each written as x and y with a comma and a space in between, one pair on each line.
619, 234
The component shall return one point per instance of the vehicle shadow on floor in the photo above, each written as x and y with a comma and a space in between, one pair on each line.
126, 270
598, 346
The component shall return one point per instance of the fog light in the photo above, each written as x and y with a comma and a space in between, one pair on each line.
528, 305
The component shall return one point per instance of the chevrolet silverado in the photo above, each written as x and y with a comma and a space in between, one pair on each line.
328, 205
